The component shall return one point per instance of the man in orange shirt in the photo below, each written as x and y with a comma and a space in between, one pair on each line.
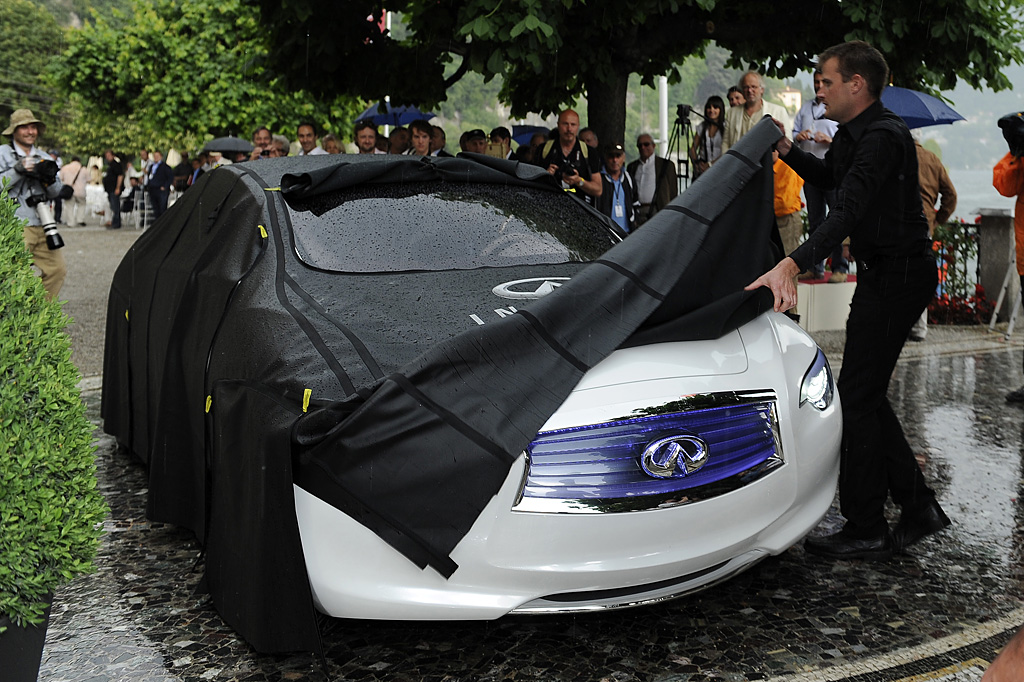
1008, 179
787, 204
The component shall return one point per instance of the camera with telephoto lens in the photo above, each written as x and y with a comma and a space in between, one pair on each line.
53, 239
45, 172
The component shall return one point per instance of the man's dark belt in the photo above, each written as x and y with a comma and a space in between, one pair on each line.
878, 260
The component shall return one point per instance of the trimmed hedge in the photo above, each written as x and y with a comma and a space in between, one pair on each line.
51, 512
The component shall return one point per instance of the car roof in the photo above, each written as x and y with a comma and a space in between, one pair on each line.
305, 176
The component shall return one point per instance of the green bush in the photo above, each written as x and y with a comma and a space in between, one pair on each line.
51, 512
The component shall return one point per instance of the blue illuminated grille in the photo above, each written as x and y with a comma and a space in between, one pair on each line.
602, 461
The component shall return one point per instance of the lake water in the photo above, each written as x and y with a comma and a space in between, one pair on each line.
974, 191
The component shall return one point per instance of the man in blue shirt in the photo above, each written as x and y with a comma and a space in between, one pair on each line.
813, 132
618, 191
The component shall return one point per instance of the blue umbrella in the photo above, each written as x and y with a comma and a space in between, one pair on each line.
522, 134
393, 116
918, 109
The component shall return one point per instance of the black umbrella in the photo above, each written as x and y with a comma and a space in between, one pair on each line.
228, 145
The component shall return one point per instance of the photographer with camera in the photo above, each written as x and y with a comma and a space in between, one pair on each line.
1008, 180
262, 144
31, 178
570, 161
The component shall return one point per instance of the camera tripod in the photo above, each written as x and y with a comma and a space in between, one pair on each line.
679, 142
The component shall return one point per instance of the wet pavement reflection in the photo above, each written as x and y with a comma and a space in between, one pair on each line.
143, 616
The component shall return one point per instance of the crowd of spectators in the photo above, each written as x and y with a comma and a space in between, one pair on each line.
628, 194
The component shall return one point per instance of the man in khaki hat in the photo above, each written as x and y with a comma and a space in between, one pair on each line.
32, 180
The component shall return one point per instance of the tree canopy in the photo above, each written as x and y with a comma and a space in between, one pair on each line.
550, 53
29, 40
176, 73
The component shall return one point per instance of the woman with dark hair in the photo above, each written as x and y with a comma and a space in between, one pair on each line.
707, 142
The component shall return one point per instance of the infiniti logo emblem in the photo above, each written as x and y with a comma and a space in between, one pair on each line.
674, 456
527, 289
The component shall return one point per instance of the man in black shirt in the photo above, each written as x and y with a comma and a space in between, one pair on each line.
571, 161
872, 164
113, 183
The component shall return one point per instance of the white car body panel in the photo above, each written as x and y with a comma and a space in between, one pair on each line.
513, 560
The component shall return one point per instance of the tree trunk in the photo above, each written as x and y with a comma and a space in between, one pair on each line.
606, 108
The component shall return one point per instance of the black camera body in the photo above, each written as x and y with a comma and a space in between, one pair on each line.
1012, 126
566, 170
44, 170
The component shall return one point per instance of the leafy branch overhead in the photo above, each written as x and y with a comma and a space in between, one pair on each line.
550, 53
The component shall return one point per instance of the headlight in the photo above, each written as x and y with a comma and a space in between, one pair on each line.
817, 387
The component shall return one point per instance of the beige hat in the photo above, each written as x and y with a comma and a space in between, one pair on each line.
22, 117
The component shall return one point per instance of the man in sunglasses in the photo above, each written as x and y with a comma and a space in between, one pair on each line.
655, 177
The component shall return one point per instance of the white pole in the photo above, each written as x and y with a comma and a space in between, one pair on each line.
387, 98
663, 114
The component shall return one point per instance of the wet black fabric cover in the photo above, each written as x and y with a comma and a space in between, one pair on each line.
251, 420
418, 459
218, 337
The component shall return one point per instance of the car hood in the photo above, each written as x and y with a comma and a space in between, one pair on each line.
724, 355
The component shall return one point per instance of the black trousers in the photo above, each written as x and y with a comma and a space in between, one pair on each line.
158, 201
876, 460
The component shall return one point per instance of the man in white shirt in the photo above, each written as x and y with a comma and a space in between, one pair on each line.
656, 181
739, 120
813, 133
307, 140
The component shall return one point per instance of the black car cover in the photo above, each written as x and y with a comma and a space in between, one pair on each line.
219, 337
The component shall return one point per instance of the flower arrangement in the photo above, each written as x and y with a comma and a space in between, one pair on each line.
959, 299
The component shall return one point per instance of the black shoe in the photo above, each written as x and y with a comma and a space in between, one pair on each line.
841, 546
915, 525
1016, 396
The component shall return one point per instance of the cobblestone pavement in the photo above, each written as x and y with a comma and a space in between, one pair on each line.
938, 613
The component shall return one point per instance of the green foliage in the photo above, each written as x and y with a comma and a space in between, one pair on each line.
29, 41
928, 45
182, 72
551, 53
69, 12
472, 103
50, 509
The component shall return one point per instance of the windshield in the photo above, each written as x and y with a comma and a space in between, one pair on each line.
444, 226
